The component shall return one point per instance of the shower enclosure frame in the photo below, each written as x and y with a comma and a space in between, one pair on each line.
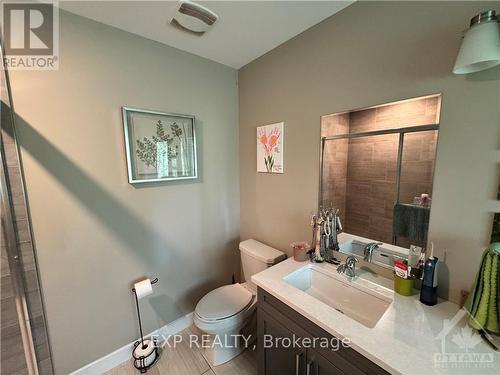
12, 246
402, 131
14, 261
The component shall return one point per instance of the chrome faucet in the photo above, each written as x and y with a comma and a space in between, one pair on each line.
368, 250
349, 268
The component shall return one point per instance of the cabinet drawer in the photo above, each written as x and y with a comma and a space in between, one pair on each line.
347, 360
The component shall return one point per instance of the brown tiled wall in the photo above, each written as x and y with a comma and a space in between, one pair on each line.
410, 113
371, 186
12, 359
360, 173
335, 162
419, 153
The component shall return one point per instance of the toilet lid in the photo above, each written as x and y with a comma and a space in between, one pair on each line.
223, 302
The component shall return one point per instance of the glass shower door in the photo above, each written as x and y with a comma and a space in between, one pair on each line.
371, 176
24, 345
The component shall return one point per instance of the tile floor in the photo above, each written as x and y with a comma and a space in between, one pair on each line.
183, 360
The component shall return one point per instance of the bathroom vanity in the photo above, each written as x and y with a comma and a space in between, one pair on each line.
276, 319
386, 332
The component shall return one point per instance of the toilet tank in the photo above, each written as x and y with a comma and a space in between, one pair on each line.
256, 257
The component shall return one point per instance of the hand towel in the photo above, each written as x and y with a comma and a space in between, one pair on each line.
410, 221
482, 303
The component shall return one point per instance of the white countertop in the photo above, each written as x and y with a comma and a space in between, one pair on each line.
404, 341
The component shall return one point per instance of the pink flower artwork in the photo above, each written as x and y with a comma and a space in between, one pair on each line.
270, 148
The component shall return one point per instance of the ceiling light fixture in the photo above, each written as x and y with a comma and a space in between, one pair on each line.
480, 48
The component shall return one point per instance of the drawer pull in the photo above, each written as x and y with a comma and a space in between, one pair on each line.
298, 357
308, 368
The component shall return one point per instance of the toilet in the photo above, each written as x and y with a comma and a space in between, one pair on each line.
224, 312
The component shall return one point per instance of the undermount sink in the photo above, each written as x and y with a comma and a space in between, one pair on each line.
359, 299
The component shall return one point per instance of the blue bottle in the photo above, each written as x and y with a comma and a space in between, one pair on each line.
428, 293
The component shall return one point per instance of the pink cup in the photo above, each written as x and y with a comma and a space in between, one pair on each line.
300, 250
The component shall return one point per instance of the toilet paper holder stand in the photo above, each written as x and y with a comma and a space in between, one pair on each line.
145, 352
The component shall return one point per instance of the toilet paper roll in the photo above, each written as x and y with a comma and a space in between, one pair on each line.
143, 288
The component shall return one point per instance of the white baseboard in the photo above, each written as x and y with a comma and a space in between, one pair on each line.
123, 354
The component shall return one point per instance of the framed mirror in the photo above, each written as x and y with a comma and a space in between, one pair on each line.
377, 169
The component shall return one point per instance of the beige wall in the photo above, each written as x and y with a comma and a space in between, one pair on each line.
373, 53
95, 233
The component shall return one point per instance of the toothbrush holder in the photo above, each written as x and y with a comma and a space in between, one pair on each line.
403, 286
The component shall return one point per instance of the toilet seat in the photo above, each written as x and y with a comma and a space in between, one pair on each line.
224, 303
225, 321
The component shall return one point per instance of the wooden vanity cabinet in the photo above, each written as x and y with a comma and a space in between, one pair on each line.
282, 325
278, 360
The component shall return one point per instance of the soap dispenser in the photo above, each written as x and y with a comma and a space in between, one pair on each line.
428, 293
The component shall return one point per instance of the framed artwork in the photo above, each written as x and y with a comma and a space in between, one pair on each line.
160, 146
270, 148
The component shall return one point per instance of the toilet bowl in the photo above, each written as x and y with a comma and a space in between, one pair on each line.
224, 312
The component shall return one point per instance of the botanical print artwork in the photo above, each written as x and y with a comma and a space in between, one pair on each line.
270, 148
150, 149
160, 146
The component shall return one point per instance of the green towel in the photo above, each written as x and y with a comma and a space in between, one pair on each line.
483, 300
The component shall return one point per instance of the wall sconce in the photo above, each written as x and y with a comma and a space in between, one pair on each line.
480, 48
